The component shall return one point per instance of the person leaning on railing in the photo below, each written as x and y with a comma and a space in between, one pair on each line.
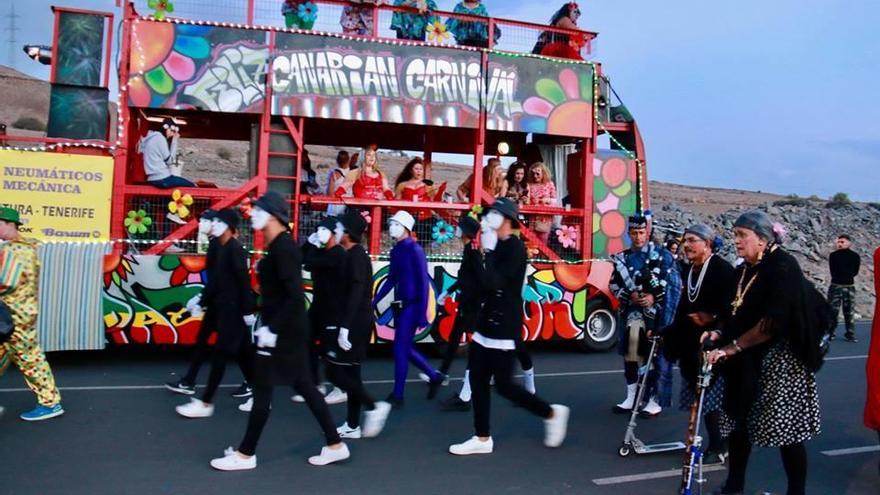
542, 192
358, 19
367, 182
413, 26
493, 181
471, 33
562, 45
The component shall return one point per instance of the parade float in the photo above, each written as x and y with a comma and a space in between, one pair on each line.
232, 71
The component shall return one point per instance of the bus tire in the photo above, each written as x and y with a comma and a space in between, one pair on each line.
600, 328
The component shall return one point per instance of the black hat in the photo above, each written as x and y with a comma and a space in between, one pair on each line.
230, 217
354, 224
468, 226
506, 207
329, 223
638, 222
275, 205
208, 214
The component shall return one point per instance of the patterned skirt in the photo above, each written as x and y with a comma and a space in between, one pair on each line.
786, 410
713, 397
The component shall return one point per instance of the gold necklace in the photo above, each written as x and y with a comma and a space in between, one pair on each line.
740, 292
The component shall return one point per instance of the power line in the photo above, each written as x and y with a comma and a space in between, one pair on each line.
11, 30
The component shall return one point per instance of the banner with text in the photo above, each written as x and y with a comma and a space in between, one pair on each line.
60, 197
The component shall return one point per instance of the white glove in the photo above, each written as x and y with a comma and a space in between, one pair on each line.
343, 341
442, 297
314, 241
265, 337
249, 320
488, 240
194, 302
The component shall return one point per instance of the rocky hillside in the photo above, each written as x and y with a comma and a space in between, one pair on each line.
812, 226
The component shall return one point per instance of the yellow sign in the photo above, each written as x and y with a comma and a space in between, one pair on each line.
60, 197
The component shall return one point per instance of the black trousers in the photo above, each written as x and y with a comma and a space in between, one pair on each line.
466, 323
219, 357
348, 378
485, 363
203, 352
794, 460
260, 413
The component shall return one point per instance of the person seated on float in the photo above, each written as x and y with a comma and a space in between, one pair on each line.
413, 26
471, 33
493, 182
555, 44
413, 185
367, 182
516, 184
357, 19
542, 192
159, 149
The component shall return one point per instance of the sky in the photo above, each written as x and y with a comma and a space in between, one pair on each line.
775, 96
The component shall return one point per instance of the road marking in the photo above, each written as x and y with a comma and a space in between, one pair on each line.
853, 450
669, 473
366, 382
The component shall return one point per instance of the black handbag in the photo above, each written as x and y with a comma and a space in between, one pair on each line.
6, 324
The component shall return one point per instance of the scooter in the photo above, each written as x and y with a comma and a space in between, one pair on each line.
630, 442
693, 459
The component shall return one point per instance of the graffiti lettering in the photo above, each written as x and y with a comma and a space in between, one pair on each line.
233, 81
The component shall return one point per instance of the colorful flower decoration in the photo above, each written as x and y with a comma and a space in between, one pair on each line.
437, 32
160, 7
116, 269
180, 203
567, 235
308, 12
367, 217
614, 178
184, 269
442, 232
137, 222
560, 105
475, 212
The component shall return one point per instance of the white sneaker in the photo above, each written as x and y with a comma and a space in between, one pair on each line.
630, 400
652, 408
329, 456
336, 396
195, 409
473, 446
556, 427
247, 406
346, 431
374, 420
231, 461
299, 399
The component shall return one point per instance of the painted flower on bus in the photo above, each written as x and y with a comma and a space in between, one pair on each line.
561, 106
614, 195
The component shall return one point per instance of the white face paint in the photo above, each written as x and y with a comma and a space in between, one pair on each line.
204, 226
494, 220
396, 230
259, 218
218, 227
324, 235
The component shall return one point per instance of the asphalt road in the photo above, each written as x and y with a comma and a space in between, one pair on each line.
120, 435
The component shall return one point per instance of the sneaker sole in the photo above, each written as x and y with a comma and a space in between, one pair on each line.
470, 452
242, 396
43, 417
181, 391
327, 463
351, 436
243, 468
336, 401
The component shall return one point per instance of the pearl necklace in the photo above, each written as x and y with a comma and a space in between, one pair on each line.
693, 291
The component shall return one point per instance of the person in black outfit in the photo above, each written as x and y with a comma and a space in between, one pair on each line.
231, 300
202, 351
844, 264
323, 258
347, 337
282, 339
492, 350
710, 285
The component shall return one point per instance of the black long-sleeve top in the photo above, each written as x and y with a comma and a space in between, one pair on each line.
284, 305
327, 267
210, 268
357, 314
468, 283
844, 265
501, 281
229, 285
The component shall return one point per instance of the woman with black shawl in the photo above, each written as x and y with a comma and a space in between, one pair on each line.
772, 353
710, 284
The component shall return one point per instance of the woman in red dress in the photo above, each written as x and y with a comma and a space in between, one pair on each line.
872, 401
367, 182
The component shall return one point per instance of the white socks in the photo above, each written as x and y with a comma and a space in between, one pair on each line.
529, 380
465, 394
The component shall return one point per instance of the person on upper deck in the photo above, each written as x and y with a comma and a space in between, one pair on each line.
471, 33
542, 192
367, 182
562, 45
493, 181
414, 183
159, 149
358, 19
413, 26
300, 14
516, 185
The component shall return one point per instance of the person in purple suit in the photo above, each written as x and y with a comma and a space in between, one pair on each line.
408, 277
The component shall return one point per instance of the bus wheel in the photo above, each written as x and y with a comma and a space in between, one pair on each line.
600, 329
